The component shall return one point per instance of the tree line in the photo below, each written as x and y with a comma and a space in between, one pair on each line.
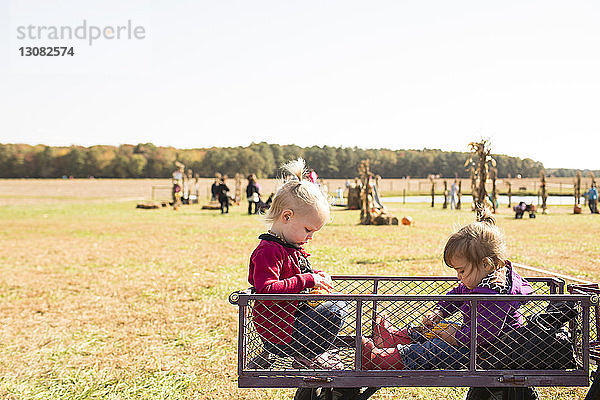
145, 160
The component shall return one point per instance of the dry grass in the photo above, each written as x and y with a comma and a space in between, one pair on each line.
100, 300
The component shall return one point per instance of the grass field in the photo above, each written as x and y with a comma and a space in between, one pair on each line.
103, 301
45, 191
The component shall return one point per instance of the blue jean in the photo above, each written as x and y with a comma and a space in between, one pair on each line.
593, 204
315, 329
434, 354
452, 202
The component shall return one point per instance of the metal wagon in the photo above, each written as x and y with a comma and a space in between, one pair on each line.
488, 372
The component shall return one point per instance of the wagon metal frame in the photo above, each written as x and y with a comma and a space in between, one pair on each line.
367, 295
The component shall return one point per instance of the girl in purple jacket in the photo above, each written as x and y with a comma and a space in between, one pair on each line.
477, 253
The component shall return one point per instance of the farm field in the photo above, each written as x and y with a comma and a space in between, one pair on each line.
45, 191
101, 300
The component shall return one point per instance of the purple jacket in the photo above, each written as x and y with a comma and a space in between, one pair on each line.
493, 317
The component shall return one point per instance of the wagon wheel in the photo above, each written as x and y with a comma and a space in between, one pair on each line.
594, 391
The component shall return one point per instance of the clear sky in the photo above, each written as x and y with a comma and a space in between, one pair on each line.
394, 74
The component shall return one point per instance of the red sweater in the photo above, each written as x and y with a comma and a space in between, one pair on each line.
275, 268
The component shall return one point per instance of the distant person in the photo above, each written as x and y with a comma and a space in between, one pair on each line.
187, 189
257, 184
592, 196
214, 189
264, 206
177, 180
252, 194
339, 195
453, 192
223, 196
195, 190
313, 177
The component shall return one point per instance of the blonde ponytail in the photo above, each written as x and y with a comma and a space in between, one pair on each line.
295, 168
484, 214
296, 193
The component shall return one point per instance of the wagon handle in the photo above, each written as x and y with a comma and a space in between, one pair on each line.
235, 296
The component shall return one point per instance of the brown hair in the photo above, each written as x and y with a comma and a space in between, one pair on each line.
296, 193
481, 243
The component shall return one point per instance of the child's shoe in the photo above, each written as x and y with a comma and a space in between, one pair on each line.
367, 350
386, 335
374, 358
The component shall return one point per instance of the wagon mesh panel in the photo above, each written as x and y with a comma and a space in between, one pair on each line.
414, 286
542, 343
355, 286
578, 340
340, 355
594, 339
594, 319
404, 318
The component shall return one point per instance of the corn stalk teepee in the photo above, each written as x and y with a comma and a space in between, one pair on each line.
366, 195
432, 190
577, 193
494, 196
543, 191
479, 162
446, 194
459, 195
471, 167
238, 188
509, 191
369, 213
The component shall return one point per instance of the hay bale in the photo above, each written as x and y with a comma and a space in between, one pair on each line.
213, 205
147, 206
354, 202
385, 219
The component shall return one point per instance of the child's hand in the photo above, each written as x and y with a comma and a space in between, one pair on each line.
327, 277
448, 334
323, 282
431, 318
